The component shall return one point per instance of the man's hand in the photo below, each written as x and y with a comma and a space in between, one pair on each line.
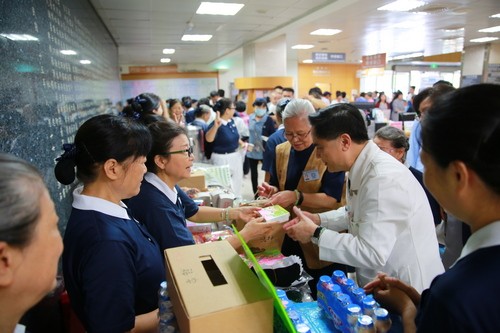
300, 228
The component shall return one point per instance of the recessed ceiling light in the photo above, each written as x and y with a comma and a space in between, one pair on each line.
168, 51
19, 37
219, 8
406, 56
307, 61
165, 60
68, 52
302, 47
483, 39
326, 32
496, 15
85, 62
402, 5
492, 29
453, 29
196, 38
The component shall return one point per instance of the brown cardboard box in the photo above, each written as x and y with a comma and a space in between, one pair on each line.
213, 290
197, 180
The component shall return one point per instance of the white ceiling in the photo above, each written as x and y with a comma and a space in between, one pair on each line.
142, 28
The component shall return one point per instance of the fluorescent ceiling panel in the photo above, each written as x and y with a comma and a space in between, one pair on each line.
68, 52
492, 29
302, 47
219, 8
483, 39
19, 37
325, 32
85, 62
402, 5
196, 38
165, 60
168, 51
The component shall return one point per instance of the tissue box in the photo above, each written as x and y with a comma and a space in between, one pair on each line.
274, 213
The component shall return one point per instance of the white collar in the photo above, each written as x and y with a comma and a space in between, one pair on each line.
280, 127
487, 236
161, 186
86, 202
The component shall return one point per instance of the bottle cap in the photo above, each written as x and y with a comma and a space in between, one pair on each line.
350, 282
353, 309
163, 285
325, 279
369, 301
381, 313
365, 321
338, 274
336, 288
302, 328
281, 293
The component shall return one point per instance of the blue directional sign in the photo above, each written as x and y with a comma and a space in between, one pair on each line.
328, 57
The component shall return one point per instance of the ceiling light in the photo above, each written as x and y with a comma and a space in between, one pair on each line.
402, 5
302, 47
196, 38
219, 8
85, 62
326, 32
492, 29
68, 52
454, 30
406, 56
496, 15
168, 51
307, 61
483, 39
18, 37
165, 60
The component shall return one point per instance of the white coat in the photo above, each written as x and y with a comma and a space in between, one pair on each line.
389, 220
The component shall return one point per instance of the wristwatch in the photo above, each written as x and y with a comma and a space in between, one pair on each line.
316, 235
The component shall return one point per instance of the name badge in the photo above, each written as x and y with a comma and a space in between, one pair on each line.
310, 175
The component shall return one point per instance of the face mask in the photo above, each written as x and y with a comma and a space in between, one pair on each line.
260, 112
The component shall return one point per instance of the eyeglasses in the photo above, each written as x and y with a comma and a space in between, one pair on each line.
386, 149
189, 151
300, 136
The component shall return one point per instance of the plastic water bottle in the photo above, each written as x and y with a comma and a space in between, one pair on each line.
369, 305
383, 321
165, 313
365, 324
283, 297
339, 277
353, 313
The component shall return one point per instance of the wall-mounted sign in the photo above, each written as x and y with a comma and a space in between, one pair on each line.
372, 61
152, 69
328, 57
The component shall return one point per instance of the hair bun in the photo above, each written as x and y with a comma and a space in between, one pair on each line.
65, 171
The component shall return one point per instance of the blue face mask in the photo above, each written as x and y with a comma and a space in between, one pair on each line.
260, 112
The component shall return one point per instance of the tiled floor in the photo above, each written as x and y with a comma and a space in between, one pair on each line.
247, 192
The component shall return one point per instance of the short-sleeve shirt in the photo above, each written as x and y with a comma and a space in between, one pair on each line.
331, 183
270, 153
111, 264
226, 139
164, 217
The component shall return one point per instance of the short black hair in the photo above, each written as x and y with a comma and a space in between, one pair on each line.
163, 134
334, 120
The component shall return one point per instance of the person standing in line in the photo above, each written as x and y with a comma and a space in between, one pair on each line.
30, 242
225, 139
387, 214
398, 105
461, 171
274, 140
112, 266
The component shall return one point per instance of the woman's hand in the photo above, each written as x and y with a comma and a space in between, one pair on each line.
265, 190
243, 214
283, 198
256, 228
393, 293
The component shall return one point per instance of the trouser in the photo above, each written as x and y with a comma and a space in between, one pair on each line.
234, 161
254, 173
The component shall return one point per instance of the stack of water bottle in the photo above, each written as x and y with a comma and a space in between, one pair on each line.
350, 309
168, 323
295, 317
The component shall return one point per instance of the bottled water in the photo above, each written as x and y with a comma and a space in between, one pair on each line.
383, 320
165, 314
365, 324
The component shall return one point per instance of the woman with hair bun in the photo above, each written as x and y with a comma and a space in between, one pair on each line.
145, 104
30, 242
225, 139
111, 264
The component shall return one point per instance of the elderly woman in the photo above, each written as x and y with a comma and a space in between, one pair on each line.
30, 242
111, 264
462, 173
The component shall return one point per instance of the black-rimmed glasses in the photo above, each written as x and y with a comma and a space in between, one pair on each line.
189, 151
300, 136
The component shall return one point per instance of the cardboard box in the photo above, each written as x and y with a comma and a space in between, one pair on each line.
213, 290
197, 180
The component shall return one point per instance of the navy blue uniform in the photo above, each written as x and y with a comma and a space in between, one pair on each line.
112, 266
165, 220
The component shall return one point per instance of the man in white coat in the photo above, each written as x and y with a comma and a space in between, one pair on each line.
387, 215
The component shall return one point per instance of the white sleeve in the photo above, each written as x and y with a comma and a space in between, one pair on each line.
383, 214
334, 219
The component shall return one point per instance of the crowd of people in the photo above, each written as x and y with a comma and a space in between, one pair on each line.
354, 202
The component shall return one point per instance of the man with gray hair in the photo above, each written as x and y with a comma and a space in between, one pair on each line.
300, 178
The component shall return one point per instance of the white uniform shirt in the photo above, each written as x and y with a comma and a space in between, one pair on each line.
390, 223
